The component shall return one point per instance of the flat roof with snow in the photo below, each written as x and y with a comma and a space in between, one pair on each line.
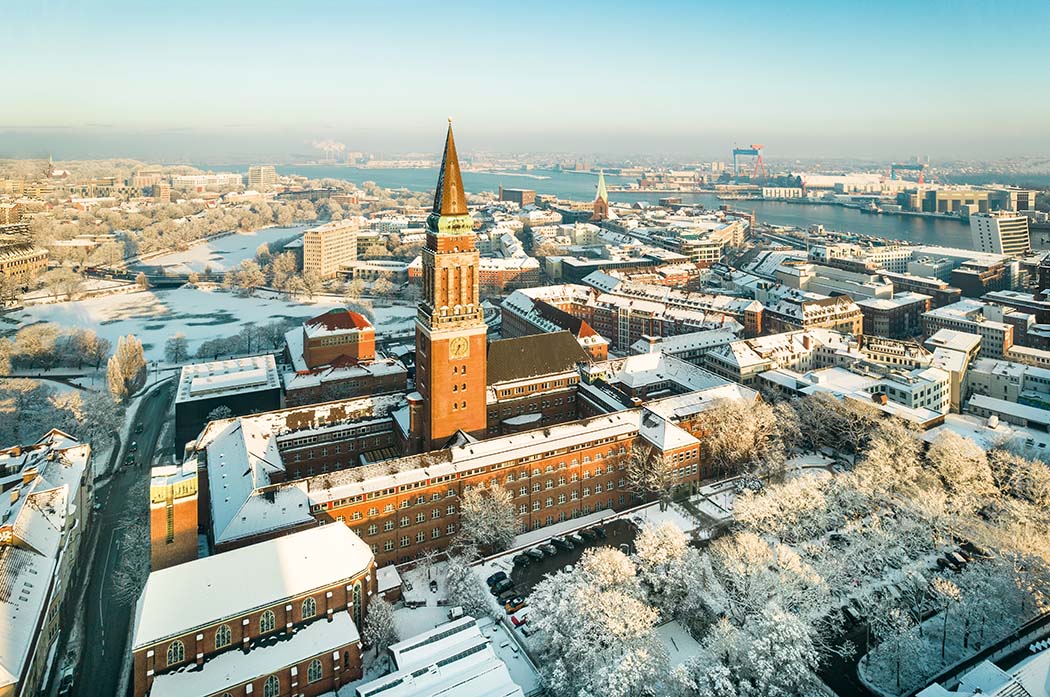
180, 598
220, 378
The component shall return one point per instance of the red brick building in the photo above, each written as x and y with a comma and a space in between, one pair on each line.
450, 325
338, 333
172, 515
273, 619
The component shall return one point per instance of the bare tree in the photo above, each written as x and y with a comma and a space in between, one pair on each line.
648, 475
488, 518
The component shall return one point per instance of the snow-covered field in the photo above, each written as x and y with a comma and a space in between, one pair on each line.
221, 253
198, 313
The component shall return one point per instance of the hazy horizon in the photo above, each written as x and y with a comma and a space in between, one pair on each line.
192, 82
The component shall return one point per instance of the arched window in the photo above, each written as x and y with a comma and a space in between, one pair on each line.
176, 652
267, 622
272, 688
315, 671
309, 608
222, 636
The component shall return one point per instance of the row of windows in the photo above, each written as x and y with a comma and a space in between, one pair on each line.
176, 652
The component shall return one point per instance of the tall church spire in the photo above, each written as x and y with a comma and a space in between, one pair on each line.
601, 201
449, 198
603, 193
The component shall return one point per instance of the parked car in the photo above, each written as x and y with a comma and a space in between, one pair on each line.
134, 446
599, 531
588, 535
561, 543
535, 553
504, 585
514, 604
522, 560
519, 619
130, 459
454, 613
506, 596
65, 685
576, 538
433, 585
496, 578
549, 550
138, 427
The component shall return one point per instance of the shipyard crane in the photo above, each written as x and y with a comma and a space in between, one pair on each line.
908, 167
759, 167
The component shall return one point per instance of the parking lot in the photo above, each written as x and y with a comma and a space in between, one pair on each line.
617, 532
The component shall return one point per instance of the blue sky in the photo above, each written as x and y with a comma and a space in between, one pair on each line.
821, 78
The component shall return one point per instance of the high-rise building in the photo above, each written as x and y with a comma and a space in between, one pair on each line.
1000, 233
262, 177
326, 249
450, 324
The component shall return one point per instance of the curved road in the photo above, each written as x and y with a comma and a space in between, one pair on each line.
122, 538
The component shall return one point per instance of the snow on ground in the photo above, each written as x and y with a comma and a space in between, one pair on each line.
198, 313
716, 501
680, 645
221, 253
674, 514
413, 621
415, 585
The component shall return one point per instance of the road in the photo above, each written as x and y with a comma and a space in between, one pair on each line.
121, 541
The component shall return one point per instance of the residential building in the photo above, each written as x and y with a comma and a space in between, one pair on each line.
43, 517
200, 182
275, 618
22, 262
898, 317
329, 247
973, 317
522, 197
800, 310
690, 348
523, 314
241, 385
1012, 382
1001, 232
801, 351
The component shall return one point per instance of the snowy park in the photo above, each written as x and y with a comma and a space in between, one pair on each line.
200, 314
221, 253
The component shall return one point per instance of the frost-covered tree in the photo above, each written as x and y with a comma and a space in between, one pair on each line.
598, 633
648, 475
176, 348
380, 630
487, 518
465, 589
668, 569
781, 660
115, 380
130, 362
743, 437
963, 468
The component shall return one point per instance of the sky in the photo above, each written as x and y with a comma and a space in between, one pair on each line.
192, 79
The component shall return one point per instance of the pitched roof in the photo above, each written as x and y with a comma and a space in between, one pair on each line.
537, 354
578, 326
336, 319
449, 197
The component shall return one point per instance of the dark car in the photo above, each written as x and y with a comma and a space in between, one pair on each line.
138, 427
563, 543
549, 550
504, 585
535, 553
130, 459
496, 578
588, 535
599, 531
522, 560
65, 686
507, 595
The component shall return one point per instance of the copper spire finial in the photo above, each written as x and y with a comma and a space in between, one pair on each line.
449, 198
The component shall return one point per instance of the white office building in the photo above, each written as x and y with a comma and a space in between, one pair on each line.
1000, 233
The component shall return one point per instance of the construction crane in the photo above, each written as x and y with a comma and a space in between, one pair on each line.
755, 151
908, 167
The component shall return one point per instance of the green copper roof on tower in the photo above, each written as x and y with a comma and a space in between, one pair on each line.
603, 193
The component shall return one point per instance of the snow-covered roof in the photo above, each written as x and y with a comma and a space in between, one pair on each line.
232, 668
452, 660
220, 378
387, 578
681, 343
181, 598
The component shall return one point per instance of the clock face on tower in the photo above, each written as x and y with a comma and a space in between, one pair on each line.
458, 347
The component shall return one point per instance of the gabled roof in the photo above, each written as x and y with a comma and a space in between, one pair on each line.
449, 198
578, 326
529, 356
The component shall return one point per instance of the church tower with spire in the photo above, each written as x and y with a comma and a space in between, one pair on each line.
450, 324
601, 201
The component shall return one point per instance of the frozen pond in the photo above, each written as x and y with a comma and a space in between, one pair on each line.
221, 253
198, 313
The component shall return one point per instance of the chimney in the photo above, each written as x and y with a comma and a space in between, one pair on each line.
805, 341
15, 494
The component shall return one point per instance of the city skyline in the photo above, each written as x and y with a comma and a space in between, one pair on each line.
670, 79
